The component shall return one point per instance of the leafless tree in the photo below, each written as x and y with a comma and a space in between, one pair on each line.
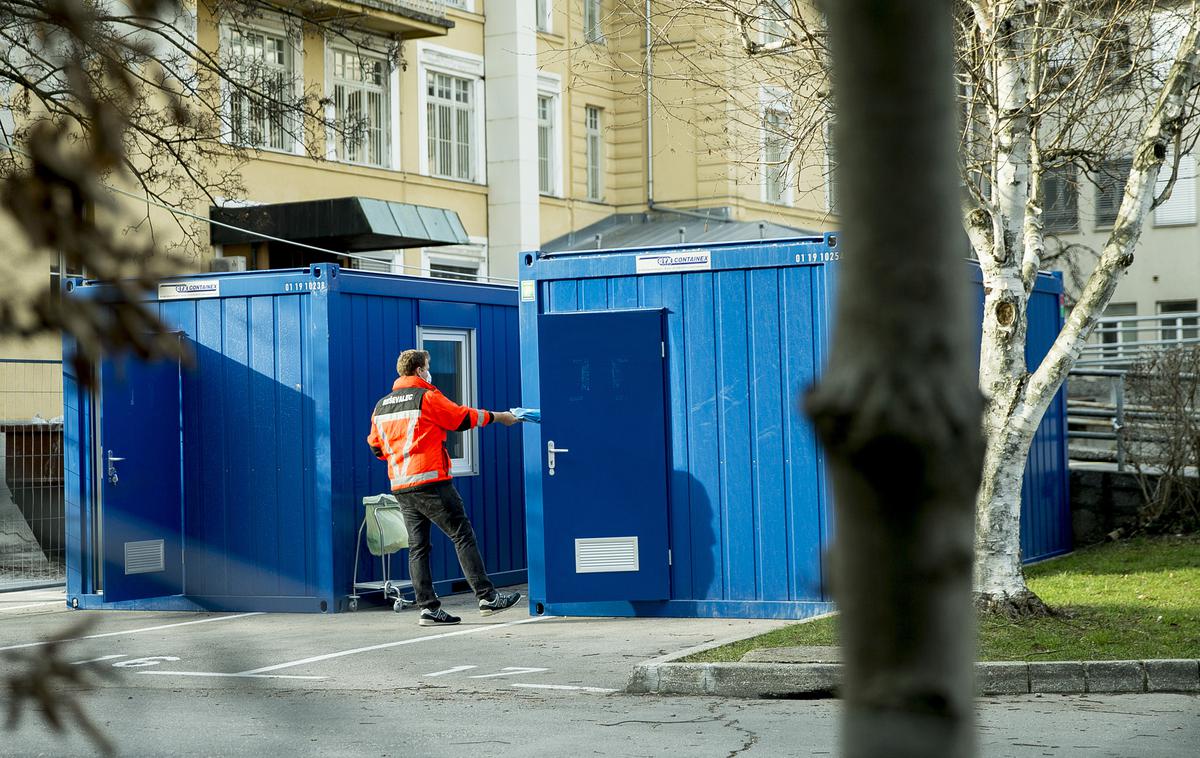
103, 100
1052, 94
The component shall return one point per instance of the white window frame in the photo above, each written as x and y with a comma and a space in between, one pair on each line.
550, 85
777, 101
589, 133
443, 60
773, 17
593, 27
468, 464
393, 260
391, 94
544, 22
474, 254
274, 27
830, 166
467, 6
1180, 208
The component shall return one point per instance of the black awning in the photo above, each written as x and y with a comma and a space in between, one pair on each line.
343, 224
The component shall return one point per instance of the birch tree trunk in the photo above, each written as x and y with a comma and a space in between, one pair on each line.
898, 408
1018, 398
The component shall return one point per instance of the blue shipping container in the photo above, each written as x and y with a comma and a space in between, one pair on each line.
701, 351
236, 483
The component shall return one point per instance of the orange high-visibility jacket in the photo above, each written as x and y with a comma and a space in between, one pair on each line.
408, 430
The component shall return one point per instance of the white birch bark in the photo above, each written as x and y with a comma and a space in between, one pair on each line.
1017, 400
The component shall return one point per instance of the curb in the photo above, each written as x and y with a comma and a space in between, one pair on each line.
812, 681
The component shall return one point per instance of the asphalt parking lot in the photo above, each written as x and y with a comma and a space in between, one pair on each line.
372, 649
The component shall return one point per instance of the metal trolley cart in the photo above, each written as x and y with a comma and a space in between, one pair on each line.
386, 535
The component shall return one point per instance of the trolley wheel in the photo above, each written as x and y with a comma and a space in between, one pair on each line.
353, 604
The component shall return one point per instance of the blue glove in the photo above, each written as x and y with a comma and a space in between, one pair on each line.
532, 415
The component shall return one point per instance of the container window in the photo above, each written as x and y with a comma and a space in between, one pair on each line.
452, 365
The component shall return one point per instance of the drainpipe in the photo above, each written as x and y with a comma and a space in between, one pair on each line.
650, 206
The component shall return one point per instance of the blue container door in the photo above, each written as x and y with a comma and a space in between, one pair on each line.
605, 469
141, 504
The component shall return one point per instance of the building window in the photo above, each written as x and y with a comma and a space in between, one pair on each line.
451, 125
831, 186
1110, 189
380, 261
1115, 335
775, 156
1060, 199
261, 104
1180, 320
546, 157
1180, 208
772, 22
452, 366
543, 9
591, 21
462, 5
461, 271
595, 155
362, 113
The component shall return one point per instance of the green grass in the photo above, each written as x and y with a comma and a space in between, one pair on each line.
1130, 600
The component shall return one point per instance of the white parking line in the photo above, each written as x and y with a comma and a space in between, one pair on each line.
97, 660
7, 608
385, 645
511, 671
216, 674
600, 690
134, 631
454, 670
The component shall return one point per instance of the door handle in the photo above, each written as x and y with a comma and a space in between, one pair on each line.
112, 470
551, 451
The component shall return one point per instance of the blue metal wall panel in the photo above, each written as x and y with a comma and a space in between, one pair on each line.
746, 509
287, 367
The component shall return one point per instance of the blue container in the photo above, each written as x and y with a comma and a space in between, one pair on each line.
1045, 494
704, 352
239, 478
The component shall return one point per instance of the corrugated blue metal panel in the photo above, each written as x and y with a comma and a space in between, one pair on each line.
1045, 495
747, 502
276, 408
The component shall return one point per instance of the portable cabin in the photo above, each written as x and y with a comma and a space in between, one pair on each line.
673, 474
233, 481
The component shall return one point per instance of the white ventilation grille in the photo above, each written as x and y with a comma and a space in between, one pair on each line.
606, 554
145, 557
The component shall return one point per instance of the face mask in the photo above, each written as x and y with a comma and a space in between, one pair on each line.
424, 374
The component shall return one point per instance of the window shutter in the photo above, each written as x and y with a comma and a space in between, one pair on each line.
1180, 209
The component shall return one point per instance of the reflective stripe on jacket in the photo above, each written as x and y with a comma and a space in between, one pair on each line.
408, 430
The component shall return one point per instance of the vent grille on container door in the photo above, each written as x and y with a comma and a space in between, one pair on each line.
604, 554
145, 557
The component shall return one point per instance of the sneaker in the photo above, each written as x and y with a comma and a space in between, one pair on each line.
499, 601
437, 618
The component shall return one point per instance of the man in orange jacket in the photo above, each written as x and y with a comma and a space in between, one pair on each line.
408, 430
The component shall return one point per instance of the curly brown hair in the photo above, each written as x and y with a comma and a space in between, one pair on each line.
410, 361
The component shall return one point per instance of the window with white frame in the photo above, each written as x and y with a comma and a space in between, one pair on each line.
831, 185
262, 69
772, 21
462, 5
381, 261
775, 156
1110, 190
450, 121
461, 262
1180, 208
591, 21
594, 153
362, 112
543, 9
545, 115
452, 366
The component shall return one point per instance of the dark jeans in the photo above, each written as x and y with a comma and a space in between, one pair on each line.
440, 504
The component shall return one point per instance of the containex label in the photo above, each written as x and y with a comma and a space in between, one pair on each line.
660, 263
183, 290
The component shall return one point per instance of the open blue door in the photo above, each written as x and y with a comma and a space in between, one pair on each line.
605, 466
141, 513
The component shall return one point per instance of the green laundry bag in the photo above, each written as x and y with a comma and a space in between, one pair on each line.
386, 532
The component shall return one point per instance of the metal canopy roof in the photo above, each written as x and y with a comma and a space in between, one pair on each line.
662, 227
344, 224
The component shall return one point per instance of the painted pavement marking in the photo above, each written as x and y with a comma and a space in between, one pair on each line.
569, 687
97, 660
510, 671
385, 645
218, 674
133, 631
454, 670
